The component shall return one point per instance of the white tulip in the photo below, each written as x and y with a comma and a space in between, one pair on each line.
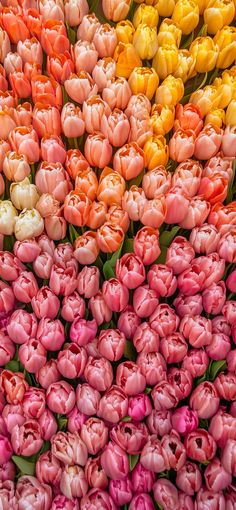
8, 215
28, 224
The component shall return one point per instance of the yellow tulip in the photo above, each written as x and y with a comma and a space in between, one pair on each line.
205, 53
146, 14
126, 59
206, 99
186, 15
217, 14
144, 80
145, 41
169, 33
202, 5
215, 117
185, 68
162, 118
230, 116
165, 7
125, 31
165, 61
226, 41
170, 92
156, 152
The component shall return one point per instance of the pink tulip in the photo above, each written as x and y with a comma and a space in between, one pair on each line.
34, 403
146, 245
153, 456
113, 405
75, 420
228, 142
145, 339
114, 462
152, 366
104, 70
219, 346
190, 305
11, 267
197, 330
94, 433
208, 142
96, 497
130, 270
105, 40
164, 320
159, 422
179, 255
142, 479
32, 355
177, 204
196, 362
82, 332
7, 349
206, 498
27, 251
25, 287
48, 374
181, 145
7, 471
69, 448
216, 477
88, 281
128, 322
87, 399
73, 306
204, 239
139, 407
22, 326
80, 86
225, 386
73, 483
111, 344
71, 361
161, 279
115, 294
117, 93
45, 303
173, 348
48, 425
26, 439
13, 415
5, 449
48, 469
141, 502
166, 494
189, 479
29, 489
60, 397
145, 300
98, 373
200, 445
164, 396
130, 378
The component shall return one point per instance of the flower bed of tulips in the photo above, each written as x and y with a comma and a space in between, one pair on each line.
117, 255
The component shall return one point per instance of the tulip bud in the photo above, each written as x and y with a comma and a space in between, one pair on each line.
165, 61
170, 92
126, 58
125, 31
115, 10
144, 80
8, 215
24, 195
145, 41
218, 14
28, 224
205, 53
186, 15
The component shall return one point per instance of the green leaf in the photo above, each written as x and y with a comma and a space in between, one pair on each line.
127, 419
26, 467
202, 32
116, 255
71, 34
128, 246
216, 368
203, 424
137, 181
157, 506
130, 351
8, 243
133, 460
201, 379
108, 270
13, 365
162, 257
62, 422
195, 84
73, 234
147, 390
187, 41
167, 236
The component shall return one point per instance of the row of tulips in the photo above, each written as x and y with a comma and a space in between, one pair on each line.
93, 433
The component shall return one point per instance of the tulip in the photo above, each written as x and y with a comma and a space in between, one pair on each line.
145, 41
7, 471
8, 215
48, 374
140, 130
153, 456
28, 224
95, 474
216, 117
197, 213
115, 11
185, 67
26, 439
103, 72
87, 25
141, 502
164, 320
46, 90
142, 479
146, 14
146, 245
105, 40
48, 469
114, 462
11, 17
24, 195
117, 93
165, 61
230, 115
138, 106
162, 119
5, 45
25, 287
206, 497
186, 15
201, 47
218, 14
146, 340
75, 11
228, 141
96, 497
165, 9
85, 56
86, 248
126, 59
125, 31
144, 80
169, 33
200, 445
170, 91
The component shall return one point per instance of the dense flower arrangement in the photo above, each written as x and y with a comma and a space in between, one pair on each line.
117, 255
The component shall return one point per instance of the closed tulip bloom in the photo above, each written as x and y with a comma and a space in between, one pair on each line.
32, 355
45, 303
8, 124
103, 72
197, 330
73, 482
213, 189
48, 374
46, 120
94, 433
20, 84
86, 181
170, 91
179, 255
60, 66
48, 469
208, 142
188, 117
54, 37
25, 141
146, 340
181, 145
22, 326
26, 439
141, 502
204, 239
73, 306
142, 479
214, 298
48, 424
156, 152
216, 117
53, 149
115, 127
96, 497
169, 33
86, 248
69, 448
146, 245
174, 348
201, 47
46, 90
15, 166
80, 86
139, 105
130, 378
153, 212
145, 300
130, 270
230, 116
7, 300
219, 346
129, 160
186, 15
181, 380
166, 494
224, 385
152, 365
99, 308
105, 40
88, 25
144, 80
206, 498
88, 281
197, 213
126, 58
218, 14
72, 121
98, 373
114, 462
204, 400
184, 420
200, 445
75, 11
189, 478
95, 474
8, 215
145, 41
159, 422
24, 195
98, 150
146, 14
25, 287
60, 397
228, 141
140, 130
7, 471
139, 407
165, 61
115, 11
153, 456
216, 477
28, 488
87, 399
226, 247
132, 201
113, 405
161, 279
188, 304
125, 31
7, 349
111, 187
164, 396
85, 56
5, 44
225, 39
93, 110
76, 208
28, 224
109, 237
164, 320
97, 214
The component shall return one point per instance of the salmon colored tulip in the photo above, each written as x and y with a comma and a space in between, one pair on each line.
109, 237
97, 215
188, 117
7, 123
116, 10
153, 212
111, 187
223, 216
208, 142
93, 110
98, 150
33, 20
60, 66
103, 72
76, 208
156, 182
24, 140
88, 26
80, 86
133, 201
85, 56
140, 130
116, 127
86, 248
72, 121
46, 120
54, 37
75, 163
129, 160
86, 181
198, 211
117, 216
214, 188
105, 40
46, 90
187, 176
181, 145
12, 21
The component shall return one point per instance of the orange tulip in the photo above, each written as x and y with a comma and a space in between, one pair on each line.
46, 90
86, 181
214, 188
76, 208
109, 237
97, 215
111, 187
75, 163
126, 58
153, 212
86, 248
117, 216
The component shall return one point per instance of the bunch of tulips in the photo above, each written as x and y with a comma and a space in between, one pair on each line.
117, 255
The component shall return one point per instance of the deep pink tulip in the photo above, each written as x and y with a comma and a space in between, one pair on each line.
60, 397
184, 420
